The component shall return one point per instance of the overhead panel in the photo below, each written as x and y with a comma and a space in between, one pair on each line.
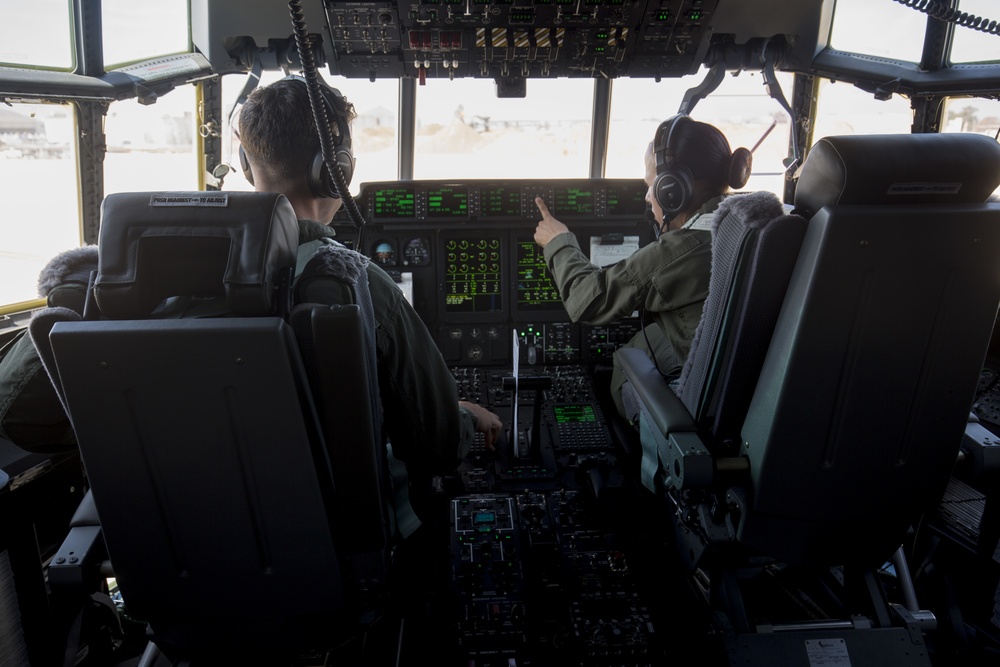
518, 38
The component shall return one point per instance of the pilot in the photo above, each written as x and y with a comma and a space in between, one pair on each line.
429, 429
689, 170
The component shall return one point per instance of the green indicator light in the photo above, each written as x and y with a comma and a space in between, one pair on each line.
662, 16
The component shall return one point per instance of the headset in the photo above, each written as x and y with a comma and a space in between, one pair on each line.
674, 184
321, 182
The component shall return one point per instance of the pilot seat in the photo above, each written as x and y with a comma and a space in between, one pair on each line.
824, 401
231, 439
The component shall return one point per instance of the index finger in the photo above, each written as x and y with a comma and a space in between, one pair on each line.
542, 206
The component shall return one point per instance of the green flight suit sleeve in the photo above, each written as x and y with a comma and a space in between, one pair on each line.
31, 415
599, 295
422, 418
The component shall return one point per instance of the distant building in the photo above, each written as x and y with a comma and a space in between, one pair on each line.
377, 117
12, 123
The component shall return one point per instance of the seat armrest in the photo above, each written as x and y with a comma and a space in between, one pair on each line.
660, 413
76, 566
982, 448
664, 406
86, 513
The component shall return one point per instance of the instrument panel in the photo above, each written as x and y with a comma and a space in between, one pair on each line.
464, 254
517, 39
489, 201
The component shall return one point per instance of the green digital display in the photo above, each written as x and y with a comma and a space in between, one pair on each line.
472, 275
535, 288
626, 198
574, 414
448, 202
578, 201
397, 202
500, 202
522, 15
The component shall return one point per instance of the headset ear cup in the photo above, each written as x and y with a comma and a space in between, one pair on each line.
245, 166
740, 167
321, 182
673, 190
346, 161
674, 185
318, 180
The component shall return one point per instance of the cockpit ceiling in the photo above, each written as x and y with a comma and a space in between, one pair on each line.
512, 38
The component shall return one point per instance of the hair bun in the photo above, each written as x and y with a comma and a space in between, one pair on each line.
740, 165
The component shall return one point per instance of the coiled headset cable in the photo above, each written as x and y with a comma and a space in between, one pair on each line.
943, 12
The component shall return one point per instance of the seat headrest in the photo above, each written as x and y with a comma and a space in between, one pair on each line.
898, 169
155, 245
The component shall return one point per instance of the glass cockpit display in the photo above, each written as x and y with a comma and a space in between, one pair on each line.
500, 202
394, 203
536, 290
574, 200
473, 276
625, 198
448, 202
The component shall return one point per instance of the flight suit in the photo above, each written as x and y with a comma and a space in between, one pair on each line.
419, 394
668, 280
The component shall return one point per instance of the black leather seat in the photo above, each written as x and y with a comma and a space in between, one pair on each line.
239, 493
825, 450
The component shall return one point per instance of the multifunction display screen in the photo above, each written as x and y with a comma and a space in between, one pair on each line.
500, 202
535, 288
473, 277
398, 202
504, 200
625, 198
448, 202
574, 414
574, 201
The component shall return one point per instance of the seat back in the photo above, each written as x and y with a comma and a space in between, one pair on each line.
754, 246
859, 410
207, 458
